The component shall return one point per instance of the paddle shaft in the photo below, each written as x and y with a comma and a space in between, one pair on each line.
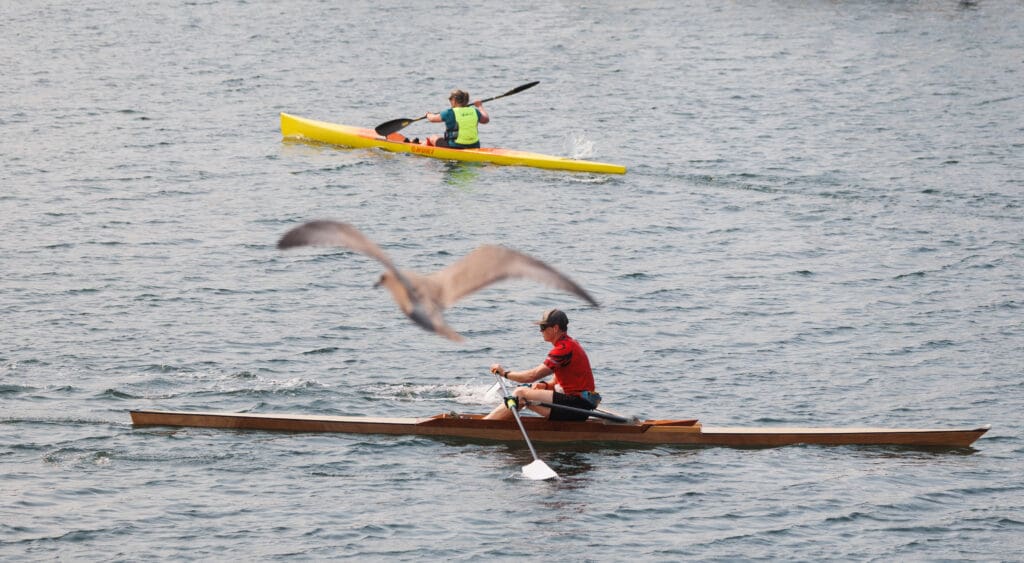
515, 90
515, 413
395, 125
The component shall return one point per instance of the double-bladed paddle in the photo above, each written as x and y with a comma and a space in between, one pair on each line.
395, 125
538, 470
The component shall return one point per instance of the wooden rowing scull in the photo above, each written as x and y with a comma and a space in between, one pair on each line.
682, 432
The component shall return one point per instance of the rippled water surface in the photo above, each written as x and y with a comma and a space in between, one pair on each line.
821, 226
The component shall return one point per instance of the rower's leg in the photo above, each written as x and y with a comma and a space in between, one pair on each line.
500, 412
543, 395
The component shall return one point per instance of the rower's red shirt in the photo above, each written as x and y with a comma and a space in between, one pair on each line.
571, 366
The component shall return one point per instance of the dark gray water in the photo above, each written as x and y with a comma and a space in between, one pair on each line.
821, 225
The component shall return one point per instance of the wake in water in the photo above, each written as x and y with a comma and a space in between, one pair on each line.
579, 147
463, 394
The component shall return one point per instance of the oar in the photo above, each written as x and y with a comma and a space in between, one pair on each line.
537, 470
594, 413
395, 125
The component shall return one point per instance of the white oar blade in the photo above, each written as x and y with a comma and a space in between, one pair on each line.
539, 471
493, 394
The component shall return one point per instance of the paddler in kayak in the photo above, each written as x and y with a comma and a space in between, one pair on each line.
460, 122
573, 384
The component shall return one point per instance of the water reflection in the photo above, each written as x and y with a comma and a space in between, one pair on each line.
925, 454
576, 463
462, 175
573, 467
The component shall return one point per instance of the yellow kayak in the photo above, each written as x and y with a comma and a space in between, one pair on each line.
301, 128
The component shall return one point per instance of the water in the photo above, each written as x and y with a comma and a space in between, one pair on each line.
821, 225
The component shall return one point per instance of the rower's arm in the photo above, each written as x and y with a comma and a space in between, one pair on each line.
530, 375
484, 116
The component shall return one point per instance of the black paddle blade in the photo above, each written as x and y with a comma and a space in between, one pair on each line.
515, 90
393, 126
519, 89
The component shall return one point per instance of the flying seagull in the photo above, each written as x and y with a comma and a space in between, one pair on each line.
423, 298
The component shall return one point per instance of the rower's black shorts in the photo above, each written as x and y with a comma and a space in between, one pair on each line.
442, 142
569, 401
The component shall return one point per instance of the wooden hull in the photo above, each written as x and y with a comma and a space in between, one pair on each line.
344, 135
472, 426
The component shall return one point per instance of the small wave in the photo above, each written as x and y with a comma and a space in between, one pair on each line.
185, 383
259, 387
10, 389
115, 394
162, 368
584, 178
77, 456
856, 516
463, 394
57, 421
327, 350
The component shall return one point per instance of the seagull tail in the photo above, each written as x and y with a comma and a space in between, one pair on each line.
422, 318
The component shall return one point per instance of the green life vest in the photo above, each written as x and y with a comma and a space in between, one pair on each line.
467, 119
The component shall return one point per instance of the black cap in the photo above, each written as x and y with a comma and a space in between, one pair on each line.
553, 317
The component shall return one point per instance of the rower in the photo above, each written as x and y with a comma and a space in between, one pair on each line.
572, 386
460, 122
